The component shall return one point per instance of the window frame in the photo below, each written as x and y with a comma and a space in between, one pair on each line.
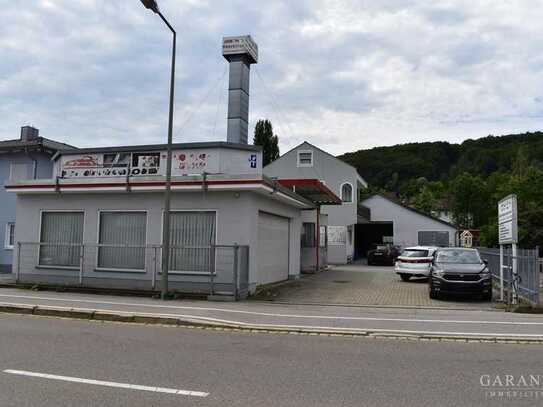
8, 245
313, 243
341, 192
121, 270
299, 163
188, 272
42, 211
31, 170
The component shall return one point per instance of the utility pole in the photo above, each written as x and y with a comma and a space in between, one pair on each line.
153, 6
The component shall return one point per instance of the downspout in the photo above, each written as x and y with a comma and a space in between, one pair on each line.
34, 164
318, 234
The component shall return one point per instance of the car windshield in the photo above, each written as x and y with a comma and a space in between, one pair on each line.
414, 253
458, 257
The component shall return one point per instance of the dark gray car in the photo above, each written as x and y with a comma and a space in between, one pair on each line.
459, 271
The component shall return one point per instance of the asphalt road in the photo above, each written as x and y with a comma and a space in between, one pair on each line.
244, 369
402, 320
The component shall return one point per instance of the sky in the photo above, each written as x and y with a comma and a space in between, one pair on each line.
344, 75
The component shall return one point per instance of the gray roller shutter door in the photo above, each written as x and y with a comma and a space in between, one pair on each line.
430, 238
273, 248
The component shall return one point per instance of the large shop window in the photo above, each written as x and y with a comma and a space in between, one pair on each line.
122, 240
61, 235
191, 237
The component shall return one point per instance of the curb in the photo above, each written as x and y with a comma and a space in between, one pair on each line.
127, 317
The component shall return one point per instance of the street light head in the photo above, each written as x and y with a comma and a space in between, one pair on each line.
151, 5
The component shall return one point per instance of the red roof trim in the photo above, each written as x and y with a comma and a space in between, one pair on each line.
293, 182
133, 184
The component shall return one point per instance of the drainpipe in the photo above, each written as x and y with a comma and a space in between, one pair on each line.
318, 235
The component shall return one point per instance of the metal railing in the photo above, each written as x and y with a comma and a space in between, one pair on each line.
211, 270
526, 284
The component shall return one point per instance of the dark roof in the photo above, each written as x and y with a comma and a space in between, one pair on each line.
398, 202
37, 144
160, 147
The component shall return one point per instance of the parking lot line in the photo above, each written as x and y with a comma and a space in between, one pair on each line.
107, 383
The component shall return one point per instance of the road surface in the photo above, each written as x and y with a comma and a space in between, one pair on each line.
355, 319
53, 362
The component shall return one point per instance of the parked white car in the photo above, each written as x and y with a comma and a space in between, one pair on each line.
414, 262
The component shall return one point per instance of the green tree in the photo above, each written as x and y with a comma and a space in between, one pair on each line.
425, 201
469, 200
270, 143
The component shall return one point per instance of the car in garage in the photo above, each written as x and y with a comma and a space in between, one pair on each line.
459, 271
383, 255
414, 262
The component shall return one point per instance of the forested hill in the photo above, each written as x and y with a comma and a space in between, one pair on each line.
393, 167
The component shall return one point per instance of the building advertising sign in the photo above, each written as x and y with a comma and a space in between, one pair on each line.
507, 220
193, 162
110, 165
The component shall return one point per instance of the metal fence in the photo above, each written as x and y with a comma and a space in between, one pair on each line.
211, 270
527, 283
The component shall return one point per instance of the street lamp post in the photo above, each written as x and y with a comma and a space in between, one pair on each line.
153, 6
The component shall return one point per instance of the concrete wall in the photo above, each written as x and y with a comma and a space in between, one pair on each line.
406, 223
236, 221
43, 169
334, 173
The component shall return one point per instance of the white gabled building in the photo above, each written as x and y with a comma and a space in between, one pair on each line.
307, 161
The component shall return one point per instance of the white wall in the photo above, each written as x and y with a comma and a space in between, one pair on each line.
406, 223
237, 215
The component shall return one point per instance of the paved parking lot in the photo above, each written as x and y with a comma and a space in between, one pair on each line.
359, 284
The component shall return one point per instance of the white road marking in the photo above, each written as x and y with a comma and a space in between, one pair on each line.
108, 384
329, 317
232, 323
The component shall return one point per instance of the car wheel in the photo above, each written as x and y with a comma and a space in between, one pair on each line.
405, 277
433, 294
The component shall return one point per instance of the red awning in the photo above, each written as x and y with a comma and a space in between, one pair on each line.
313, 190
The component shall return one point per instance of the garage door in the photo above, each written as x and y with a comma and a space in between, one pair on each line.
273, 243
429, 238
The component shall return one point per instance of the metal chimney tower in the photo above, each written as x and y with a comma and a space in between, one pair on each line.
240, 52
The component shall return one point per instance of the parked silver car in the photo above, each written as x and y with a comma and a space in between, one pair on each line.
414, 262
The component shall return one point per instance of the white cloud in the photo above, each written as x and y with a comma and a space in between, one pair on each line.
344, 74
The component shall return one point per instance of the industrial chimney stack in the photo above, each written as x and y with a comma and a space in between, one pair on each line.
240, 52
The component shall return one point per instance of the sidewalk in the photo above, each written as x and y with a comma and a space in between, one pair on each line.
366, 321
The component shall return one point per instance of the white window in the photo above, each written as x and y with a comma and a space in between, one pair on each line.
192, 235
9, 240
347, 192
60, 238
20, 171
121, 240
305, 158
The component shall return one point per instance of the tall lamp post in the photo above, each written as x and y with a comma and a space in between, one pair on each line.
153, 6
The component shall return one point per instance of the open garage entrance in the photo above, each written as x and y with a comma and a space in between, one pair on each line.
368, 234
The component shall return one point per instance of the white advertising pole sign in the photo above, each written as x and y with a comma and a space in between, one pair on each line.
508, 234
507, 220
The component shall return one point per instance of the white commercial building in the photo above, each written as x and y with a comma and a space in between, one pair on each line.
98, 221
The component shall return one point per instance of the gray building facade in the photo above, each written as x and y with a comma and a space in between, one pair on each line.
26, 158
410, 227
108, 204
